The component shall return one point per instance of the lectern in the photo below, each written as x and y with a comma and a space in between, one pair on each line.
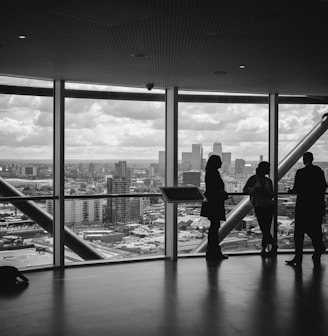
182, 194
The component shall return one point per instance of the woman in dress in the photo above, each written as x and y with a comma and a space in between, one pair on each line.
213, 207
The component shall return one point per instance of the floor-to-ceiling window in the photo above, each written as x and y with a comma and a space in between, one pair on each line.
295, 122
26, 170
236, 128
115, 147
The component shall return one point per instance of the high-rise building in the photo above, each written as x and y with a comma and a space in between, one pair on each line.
217, 149
153, 169
226, 158
191, 178
91, 169
118, 208
239, 166
161, 163
121, 169
186, 161
81, 212
196, 157
226, 162
261, 158
135, 209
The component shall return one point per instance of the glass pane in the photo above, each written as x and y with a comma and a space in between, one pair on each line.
286, 224
193, 229
101, 87
26, 169
239, 134
140, 233
18, 81
26, 148
115, 147
295, 122
25, 242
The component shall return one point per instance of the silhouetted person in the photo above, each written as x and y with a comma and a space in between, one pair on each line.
213, 208
310, 186
261, 190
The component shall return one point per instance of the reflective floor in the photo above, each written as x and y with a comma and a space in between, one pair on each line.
243, 295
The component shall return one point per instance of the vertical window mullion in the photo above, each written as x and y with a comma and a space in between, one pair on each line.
59, 202
171, 170
273, 154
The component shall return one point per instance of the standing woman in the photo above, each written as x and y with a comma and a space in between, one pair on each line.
261, 190
213, 208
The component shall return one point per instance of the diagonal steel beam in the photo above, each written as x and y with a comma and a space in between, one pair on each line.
45, 220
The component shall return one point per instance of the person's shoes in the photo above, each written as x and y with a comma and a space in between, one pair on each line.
216, 257
222, 256
323, 250
264, 254
293, 262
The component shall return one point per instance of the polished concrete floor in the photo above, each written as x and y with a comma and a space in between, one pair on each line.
242, 296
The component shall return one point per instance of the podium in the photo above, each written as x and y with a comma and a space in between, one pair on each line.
182, 194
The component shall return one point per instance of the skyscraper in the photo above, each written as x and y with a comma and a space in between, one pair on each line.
186, 160
226, 162
121, 169
118, 208
91, 169
226, 158
239, 166
197, 157
217, 149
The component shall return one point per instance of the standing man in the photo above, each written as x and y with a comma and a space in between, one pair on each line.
310, 186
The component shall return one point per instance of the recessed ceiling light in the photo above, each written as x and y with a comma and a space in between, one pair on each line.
22, 37
242, 66
140, 55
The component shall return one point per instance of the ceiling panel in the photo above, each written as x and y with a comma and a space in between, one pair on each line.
191, 44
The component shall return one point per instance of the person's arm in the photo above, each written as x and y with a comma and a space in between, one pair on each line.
249, 186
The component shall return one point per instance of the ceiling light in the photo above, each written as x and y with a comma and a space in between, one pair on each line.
22, 37
242, 66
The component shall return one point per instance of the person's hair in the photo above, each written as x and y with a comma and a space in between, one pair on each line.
262, 168
212, 162
307, 157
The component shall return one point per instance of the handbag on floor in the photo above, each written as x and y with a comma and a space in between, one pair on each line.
11, 278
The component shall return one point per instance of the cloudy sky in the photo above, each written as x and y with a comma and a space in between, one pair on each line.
100, 130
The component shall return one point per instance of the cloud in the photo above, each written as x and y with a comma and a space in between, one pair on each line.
134, 110
98, 129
